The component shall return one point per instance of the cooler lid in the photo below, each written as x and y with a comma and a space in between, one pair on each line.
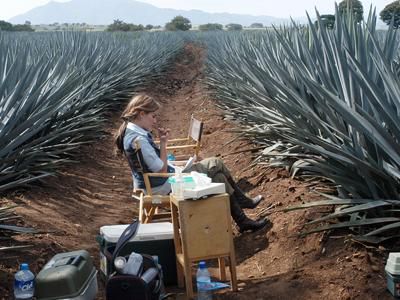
146, 232
393, 263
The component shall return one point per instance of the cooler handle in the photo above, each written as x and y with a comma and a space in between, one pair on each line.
77, 260
72, 260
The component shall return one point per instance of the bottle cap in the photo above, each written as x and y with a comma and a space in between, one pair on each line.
24, 267
120, 263
202, 265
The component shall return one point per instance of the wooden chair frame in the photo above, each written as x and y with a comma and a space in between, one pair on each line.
150, 204
192, 141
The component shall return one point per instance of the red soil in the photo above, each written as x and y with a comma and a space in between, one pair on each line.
272, 264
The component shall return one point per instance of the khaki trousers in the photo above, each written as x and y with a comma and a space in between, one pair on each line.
215, 169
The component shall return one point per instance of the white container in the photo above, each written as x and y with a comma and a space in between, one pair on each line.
393, 263
213, 188
156, 239
146, 232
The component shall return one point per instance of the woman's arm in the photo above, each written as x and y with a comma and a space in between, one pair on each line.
163, 134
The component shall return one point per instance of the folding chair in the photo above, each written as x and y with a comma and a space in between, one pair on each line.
150, 205
191, 142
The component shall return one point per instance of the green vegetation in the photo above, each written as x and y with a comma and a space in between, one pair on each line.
119, 25
327, 21
325, 105
390, 13
5, 26
7, 231
257, 25
354, 7
178, 23
234, 27
211, 27
55, 88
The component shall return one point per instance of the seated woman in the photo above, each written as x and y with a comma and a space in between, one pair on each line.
139, 119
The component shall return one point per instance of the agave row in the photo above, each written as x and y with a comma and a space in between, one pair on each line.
326, 102
55, 87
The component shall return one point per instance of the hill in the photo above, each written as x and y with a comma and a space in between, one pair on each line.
98, 12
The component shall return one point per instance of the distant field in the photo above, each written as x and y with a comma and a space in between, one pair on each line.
69, 27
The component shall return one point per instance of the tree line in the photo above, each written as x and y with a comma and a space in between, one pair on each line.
5, 26
179, 23
390, 15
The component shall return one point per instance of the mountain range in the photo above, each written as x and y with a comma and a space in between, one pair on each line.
102, 12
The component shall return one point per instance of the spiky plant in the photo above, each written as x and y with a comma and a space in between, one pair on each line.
55, 87
7, 231
327, 103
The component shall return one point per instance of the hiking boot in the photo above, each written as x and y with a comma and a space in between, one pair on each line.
243, 222
251, 203
241, 197
252, 225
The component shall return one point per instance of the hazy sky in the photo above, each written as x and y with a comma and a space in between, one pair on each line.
276, 8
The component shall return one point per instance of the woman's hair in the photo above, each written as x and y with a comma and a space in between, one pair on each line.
139, 103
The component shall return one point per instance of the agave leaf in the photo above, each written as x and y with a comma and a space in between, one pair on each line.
3, 249
10, 218
17, 229
384, 229
357, 223
374, 239
326, 203
358, 208
8, 207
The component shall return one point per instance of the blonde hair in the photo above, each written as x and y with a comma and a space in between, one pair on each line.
139, 103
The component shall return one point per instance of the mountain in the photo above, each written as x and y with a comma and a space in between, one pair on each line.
102, 12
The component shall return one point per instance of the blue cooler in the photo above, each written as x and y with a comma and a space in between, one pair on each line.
156, 239
392, 270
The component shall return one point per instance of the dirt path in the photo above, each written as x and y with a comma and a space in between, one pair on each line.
272, 263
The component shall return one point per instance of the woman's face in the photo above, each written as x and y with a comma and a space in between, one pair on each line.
148, 120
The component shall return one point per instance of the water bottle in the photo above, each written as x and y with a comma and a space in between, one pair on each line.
179, 185
203, 279
119, 264
134, 264
170, 157
24, 283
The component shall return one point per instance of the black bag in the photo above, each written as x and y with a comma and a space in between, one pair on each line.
147, 285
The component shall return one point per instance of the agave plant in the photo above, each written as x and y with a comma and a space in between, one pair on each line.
6, 230
55, 88
326, 102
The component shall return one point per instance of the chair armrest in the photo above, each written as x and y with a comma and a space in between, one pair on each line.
181, 147
147, 180
179, 163
174, 140
159, 174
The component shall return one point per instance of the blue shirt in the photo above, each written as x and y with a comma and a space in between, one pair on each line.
152, 160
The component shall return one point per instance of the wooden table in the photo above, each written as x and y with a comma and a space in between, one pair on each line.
202, 231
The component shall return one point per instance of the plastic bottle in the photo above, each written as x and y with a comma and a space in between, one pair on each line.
179, 185
134, 264
203, 279
119, 264
24, 287
170, 157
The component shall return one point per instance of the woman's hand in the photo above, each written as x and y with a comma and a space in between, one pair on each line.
163, 133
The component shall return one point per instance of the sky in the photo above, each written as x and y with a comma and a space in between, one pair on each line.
275, 8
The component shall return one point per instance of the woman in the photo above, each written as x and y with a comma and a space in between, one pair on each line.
139, 119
